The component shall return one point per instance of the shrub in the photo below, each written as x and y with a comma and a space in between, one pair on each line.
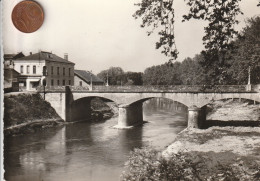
148, 164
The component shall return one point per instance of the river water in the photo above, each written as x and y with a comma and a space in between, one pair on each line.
90, 151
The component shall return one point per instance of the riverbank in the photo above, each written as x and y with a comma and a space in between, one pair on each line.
101, 111
216, 153
233, 113
28, 113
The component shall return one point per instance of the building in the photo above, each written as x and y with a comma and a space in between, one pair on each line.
44, 67
84, 78
11, 80
8, 59
11, 76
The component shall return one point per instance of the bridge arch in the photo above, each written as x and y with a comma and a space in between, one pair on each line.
105, 99
80, 109
193, 100
91, 96
142, 100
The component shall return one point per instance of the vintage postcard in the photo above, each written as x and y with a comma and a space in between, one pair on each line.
101, 90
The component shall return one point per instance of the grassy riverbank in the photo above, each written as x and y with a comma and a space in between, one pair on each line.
28, 112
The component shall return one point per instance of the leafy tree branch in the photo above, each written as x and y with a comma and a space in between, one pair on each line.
159, 15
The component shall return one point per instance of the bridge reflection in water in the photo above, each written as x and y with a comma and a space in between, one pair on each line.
85, 151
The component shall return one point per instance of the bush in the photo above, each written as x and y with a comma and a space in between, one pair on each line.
148, 164
26, 107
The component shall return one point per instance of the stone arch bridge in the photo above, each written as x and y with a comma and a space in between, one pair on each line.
74, 105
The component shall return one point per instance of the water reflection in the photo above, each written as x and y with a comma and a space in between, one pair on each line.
85, 151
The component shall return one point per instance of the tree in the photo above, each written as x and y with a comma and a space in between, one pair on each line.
221, 15
242, 53
163, 74
134, 78
114, 75
246, 53
117, 76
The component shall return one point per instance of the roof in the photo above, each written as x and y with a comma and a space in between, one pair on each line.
13, 56
11, 69
86, 76
45, 56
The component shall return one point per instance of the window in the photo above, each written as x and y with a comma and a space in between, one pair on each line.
21, 69
28, 69
63, 82
69, 71
44, 71
80, 83
58, 70
63, 70
51, 70
52, 82
69, 82
58, 82
34, 69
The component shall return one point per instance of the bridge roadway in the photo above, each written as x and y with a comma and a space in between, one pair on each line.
75, 105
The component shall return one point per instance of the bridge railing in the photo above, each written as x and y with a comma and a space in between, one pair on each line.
174, 88
61, 88
151, 88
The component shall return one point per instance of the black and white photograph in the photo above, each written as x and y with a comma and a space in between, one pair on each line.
130, 90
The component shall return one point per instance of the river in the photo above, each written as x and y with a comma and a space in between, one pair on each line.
90, 151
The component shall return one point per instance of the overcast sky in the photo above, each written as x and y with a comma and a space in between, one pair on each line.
98, 34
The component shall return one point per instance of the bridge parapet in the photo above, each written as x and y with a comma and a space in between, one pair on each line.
173, 88
61, 88
155, 88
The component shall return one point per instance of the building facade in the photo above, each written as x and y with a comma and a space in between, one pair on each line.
11, 76
84, 78
44, 68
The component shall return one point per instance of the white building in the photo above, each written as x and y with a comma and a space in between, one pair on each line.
35, 68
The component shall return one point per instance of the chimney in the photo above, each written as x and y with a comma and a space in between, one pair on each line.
66, 56
30, 53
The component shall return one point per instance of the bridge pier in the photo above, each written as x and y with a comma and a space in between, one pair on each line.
196, 117
130, 115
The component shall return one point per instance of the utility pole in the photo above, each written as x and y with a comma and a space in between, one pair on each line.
107, 79
249, 75
91, 85
249, 86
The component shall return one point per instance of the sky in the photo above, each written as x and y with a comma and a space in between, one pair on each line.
98, 34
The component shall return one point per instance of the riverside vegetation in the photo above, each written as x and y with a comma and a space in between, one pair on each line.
148, 164
28, 112
25, 112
